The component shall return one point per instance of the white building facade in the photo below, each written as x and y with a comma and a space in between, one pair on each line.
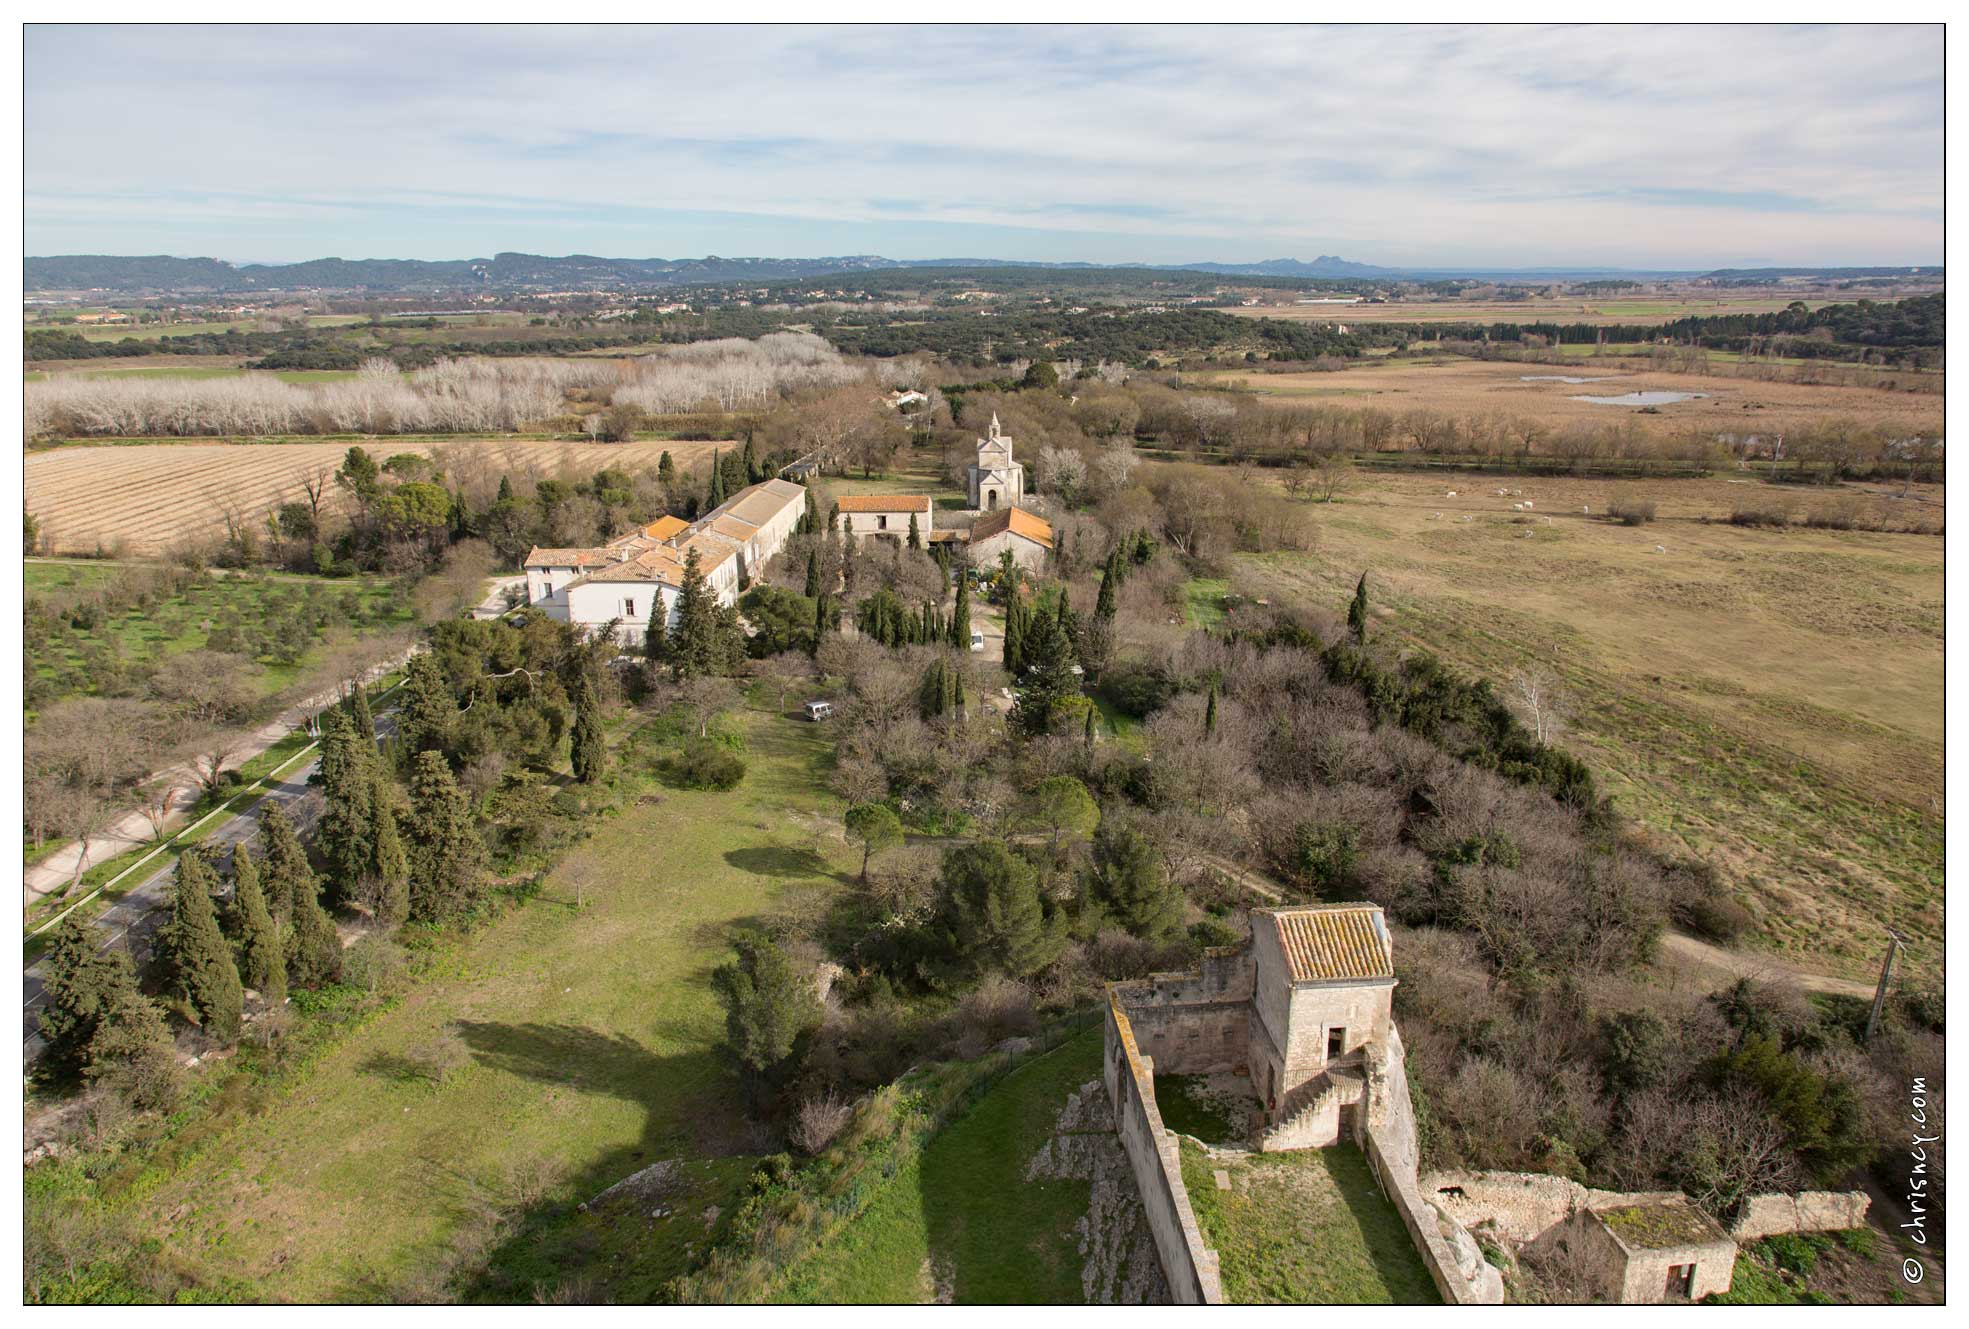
994, 480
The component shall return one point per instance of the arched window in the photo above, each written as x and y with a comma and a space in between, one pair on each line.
991, 498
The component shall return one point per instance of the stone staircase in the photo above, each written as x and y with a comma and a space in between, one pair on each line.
1310, 1116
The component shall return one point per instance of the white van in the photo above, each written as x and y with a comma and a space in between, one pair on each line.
977, 639
819, 710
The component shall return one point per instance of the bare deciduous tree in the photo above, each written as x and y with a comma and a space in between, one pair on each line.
1540, 702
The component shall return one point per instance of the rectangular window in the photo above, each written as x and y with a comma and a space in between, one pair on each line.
881, 523
628, 608
1336, 1043
547, 590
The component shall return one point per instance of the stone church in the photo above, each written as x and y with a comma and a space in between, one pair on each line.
994, 480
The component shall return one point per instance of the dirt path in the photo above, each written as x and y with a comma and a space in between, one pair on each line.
1681, 951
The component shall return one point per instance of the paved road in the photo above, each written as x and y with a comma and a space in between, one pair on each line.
57, 871
133, 921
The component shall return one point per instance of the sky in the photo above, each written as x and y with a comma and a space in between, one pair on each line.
1636, 147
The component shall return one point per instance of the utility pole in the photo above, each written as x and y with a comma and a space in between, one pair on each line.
1886, 976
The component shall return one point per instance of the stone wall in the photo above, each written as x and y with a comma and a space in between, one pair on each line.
1193, 1023
1455, 1262
1807, 1211
1189, 1266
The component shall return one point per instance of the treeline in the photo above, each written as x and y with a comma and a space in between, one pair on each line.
1126, 336
1897, 328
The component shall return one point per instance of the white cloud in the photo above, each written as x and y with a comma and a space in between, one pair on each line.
1668, 145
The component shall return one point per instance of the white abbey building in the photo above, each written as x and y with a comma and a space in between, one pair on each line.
622, 580
994, 480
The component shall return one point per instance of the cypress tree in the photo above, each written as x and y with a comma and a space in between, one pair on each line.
314, 951
195, 954
1210, 714
588, 751
1014, 631
445, 853
287, 878
346, 786
656, 637
751, 466
392, 903
960, 616
810, 515
1048, 680
1089, 734
130, 1052
78, 980
1104, 603
813, 573
1357, 612
666, 471
823, 621
262, 967
915, 537
362, 719
505, 488
701, 642
428, 708
1064, 612
717, 497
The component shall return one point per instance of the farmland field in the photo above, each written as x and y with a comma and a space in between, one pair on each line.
153, 331
145, 498
1456, 386
1769, 698
66, 662
1636, 311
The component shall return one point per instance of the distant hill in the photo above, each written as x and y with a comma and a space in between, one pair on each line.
158, 273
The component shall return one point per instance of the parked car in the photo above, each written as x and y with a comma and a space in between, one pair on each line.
977, 639
819, 710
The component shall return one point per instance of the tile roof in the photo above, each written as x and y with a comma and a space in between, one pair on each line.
664, 527
660, 565
735, 527
565, 558
760, 504
885, 503
713, 550
1328, 942
1016, 520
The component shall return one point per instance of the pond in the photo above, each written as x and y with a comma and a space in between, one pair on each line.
1643, 398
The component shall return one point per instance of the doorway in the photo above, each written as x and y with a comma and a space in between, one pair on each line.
1336, 1043
1681, 1281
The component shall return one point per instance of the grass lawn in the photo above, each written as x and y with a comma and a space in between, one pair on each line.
1189, 1108
1203, 600
185, 622
963, 1218
441, 1148
1308, 1226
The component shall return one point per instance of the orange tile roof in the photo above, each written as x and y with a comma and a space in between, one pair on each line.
565, 558
664, 527
1328, 942
660, 565
1016, 520
885, 503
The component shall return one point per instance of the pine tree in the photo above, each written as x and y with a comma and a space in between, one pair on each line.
361, 718
1357, 612
392, 869
262, 967
1210, 714
424, 724
287, 877
960, 616
194, 952
1130, 882
770, 1008
347, 783
446, 855
915, 538
993, 914
588, 750
130, 1052
812, 591
78, 981
314, 951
